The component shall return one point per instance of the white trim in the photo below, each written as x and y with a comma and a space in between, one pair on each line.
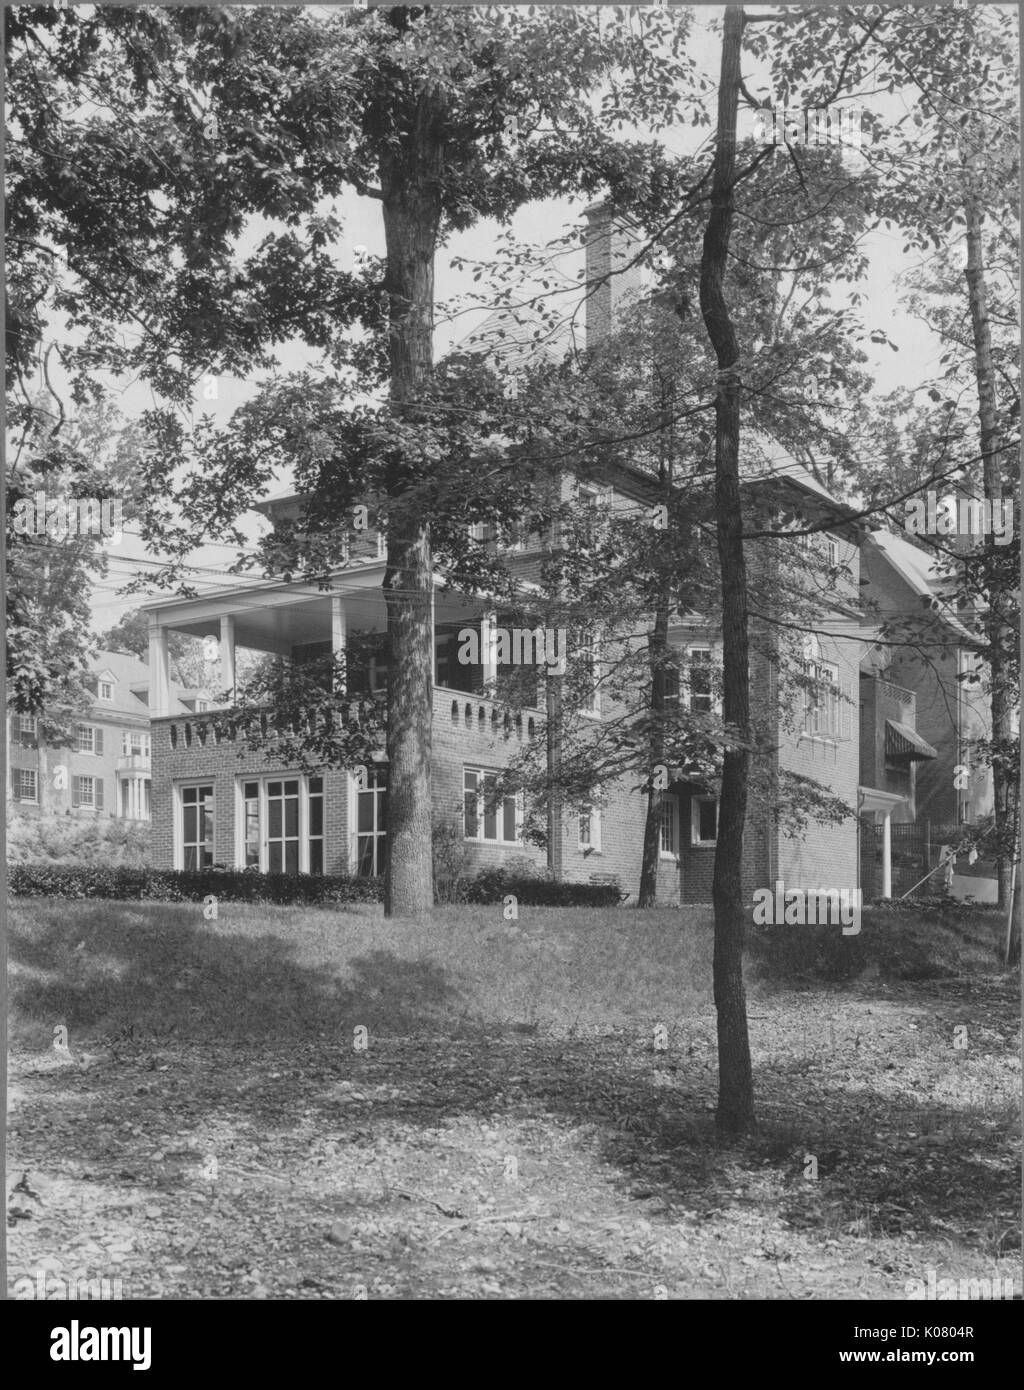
669, 804
179, 785
593, 816
499, 814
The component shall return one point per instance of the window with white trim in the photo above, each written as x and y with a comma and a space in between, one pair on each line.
89, 739
704, 820
25, 783
106, 690
487, 816
196, 843
87, 792
822, 699
371, 822
134, 743
669, 828
282, 824
831, 552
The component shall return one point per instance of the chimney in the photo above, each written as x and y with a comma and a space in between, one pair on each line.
610, 244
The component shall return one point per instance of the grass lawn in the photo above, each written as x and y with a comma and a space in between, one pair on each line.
316, 1104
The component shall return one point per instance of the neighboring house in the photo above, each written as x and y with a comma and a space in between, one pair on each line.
930, 669
105, 771
216, 802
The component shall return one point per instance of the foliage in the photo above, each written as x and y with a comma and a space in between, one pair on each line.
66, 838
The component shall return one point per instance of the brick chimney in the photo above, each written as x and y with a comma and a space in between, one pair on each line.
610, 244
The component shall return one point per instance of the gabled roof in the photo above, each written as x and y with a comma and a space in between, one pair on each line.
131, 685
923, 574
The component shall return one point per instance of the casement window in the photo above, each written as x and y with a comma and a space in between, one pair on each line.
488, 817
25, 784
89, 739
196, 836
669, 829
590, 829
704, 820
134, 744
371, 823
106, 690
282, 824
87, 791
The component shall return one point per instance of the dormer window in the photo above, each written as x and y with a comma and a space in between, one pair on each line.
106, 690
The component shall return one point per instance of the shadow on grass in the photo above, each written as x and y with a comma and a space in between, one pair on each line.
118, 972
890, 1163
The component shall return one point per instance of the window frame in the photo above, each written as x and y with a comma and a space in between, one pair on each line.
102, 686
303, 837
97, 792
692, 649
669, 818
20, 795
591, 817
378, 834
480, 792
92, 730
179, 822
695, 803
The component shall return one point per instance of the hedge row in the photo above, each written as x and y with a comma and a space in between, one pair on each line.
187, 885
48, 880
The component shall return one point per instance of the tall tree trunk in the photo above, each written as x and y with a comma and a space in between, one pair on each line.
657, 648
410, 184
992, 474
735, 1080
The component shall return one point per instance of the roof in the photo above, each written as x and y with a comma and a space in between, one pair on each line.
521, 339
922, 573
131, 682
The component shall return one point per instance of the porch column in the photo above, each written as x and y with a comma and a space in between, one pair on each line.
227, 653
489, 649
887, 855
339, 627
159, 677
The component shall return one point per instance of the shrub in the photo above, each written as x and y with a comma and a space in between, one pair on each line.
449, 856
536, 890
70, 839
49, 880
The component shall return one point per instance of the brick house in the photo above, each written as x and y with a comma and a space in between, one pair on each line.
106, 771
217, 802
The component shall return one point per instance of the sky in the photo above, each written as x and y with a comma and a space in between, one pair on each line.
536, 224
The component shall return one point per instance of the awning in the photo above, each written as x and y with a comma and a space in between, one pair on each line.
901, 741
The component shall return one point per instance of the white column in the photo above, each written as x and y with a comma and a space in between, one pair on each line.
489, 648
227, 653
887, 855
339, 628
159, 677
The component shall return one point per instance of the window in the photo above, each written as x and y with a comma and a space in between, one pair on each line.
87, 791
24, 730
106, 690
704, 820
702, 698
134, 744
372, 823
25, 784
669, 848
202, 706
590, 504
590, 829
282, 825
197, 827
486, 815
822, 699
831, 552
589, 669
90, 739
